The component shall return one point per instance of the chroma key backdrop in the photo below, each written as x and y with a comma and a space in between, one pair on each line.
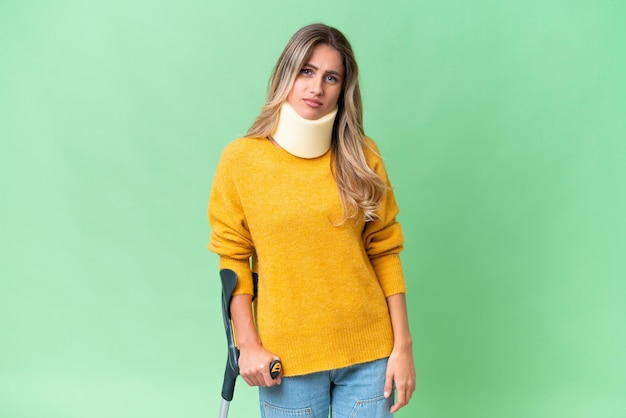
503, 128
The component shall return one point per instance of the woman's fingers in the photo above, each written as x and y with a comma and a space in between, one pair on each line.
255, 368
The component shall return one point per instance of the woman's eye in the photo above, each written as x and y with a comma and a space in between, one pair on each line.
331, 78
305, 71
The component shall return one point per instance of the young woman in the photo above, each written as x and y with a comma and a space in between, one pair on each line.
306, 197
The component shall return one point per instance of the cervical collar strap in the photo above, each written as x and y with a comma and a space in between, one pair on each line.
302, 137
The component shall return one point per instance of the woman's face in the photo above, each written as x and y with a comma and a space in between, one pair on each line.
317, 87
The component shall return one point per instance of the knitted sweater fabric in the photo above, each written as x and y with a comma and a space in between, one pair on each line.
322, 284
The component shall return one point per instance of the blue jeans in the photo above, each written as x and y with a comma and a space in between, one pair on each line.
354, 391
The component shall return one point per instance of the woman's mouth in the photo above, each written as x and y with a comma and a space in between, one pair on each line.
312, 102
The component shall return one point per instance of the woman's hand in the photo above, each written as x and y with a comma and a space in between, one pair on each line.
254, 366
254, 360
400, 365
401, 371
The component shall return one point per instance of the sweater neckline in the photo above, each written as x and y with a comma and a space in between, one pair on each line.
279, 151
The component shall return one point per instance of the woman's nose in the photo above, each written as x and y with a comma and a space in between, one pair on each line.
316, 86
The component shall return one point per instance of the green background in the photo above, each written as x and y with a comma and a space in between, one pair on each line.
503, 129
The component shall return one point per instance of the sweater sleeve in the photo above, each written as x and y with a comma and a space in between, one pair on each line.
230, 236
383, 238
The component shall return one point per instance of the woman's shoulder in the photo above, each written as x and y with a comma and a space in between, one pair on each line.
242, 144
241, 148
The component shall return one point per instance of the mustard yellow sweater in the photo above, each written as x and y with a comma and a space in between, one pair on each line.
322, 287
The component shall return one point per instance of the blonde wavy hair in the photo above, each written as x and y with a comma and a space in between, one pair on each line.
361, 190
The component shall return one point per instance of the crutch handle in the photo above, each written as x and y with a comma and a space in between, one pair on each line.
275, 368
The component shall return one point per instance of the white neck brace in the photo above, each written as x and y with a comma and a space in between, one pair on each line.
302, 137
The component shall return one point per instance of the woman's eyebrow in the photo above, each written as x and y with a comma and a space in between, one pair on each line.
327, 72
